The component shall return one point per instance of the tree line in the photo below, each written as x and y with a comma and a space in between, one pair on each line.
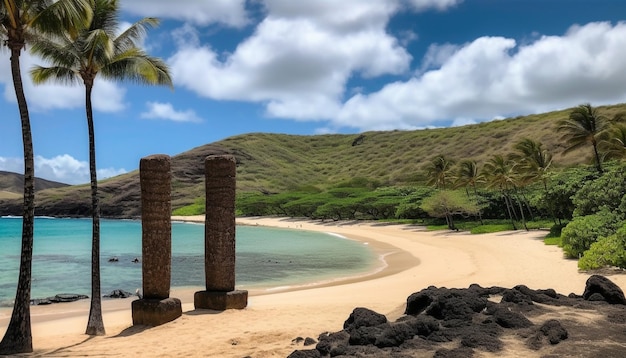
587, 203
81, 40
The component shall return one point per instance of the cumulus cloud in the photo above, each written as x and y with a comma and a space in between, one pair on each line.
62, 168
423, 5
494, 76
166, 111
299, 58
227, 12
106, 96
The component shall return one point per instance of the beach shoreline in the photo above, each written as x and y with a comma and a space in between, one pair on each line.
415, 259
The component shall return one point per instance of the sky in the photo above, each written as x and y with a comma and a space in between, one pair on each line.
312, 67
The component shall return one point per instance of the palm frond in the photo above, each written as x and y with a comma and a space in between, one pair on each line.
134, 65
52, 17
97, 48
131, 36
62, 75
58, 53
105, 16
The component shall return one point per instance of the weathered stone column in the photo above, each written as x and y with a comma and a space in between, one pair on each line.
219, 237
156, 307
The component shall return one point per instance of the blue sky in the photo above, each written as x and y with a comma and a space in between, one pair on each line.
323, 66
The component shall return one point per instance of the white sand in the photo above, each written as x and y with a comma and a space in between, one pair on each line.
414, 258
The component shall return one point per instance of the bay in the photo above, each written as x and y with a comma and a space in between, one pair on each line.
266, 257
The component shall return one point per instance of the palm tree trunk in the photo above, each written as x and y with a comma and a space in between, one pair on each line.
508, 208
95, 325
18, 336
480, 215
597, 157
545, 188
527, 205
521, 210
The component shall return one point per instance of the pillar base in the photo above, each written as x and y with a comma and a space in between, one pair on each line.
221, 300
155, 312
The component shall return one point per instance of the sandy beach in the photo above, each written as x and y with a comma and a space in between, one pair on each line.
411, 259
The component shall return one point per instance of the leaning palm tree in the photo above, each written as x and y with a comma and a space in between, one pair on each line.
100, 49
532, 164
23, 22
614, 146
533, 161
584, 126
439, 171
501, 174
468, 175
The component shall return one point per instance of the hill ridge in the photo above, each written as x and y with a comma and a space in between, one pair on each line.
270, 163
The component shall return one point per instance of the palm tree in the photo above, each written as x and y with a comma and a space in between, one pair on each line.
468, 175
585, 126
81, 57
501, 173
439, 171
533, 161
23, 21
614, 147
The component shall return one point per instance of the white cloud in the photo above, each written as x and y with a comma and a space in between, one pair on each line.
228, 12
299, 59
62, 168
494, 76
106, 96
423, 5
15, 165
166, 111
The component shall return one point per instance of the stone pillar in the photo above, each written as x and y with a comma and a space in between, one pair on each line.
219, 237
156, 307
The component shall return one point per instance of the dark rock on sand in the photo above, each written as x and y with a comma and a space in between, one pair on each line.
509, 319
119, 294
601, 285
442, 322
308, 353
363, 317
552, 331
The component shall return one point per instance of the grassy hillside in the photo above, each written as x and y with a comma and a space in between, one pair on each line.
277, 162
12, 185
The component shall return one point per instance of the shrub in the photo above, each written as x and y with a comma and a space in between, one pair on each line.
583, 231
197, 208
605, 192
555, 231
607, 251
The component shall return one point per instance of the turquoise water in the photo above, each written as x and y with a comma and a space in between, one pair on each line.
266, 257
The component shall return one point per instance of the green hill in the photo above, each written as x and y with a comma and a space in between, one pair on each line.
272, 163
12, 185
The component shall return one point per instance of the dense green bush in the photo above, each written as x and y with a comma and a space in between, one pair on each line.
583, 231
605, 192
555, 200
410, 205
197, 208
448, 204
607, 251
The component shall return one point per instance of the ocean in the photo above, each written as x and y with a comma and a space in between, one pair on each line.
266, 257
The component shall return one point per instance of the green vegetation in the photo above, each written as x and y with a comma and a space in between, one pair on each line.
448, 204
197, 208
607, 251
